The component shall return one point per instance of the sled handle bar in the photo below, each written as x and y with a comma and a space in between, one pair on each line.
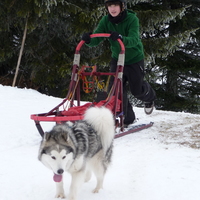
100, 35
80, 44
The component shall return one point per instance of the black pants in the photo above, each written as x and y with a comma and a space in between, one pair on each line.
133, 75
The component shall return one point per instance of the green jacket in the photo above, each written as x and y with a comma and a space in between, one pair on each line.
129, 29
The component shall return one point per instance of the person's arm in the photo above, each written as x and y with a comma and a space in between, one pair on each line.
133, 37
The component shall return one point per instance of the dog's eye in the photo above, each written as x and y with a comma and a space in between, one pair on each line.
53, 157
63, 157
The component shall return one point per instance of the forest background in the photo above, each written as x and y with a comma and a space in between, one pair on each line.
38, 40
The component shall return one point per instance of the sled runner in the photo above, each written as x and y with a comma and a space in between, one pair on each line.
70, 109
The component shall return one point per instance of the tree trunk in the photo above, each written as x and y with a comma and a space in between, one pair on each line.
20, 53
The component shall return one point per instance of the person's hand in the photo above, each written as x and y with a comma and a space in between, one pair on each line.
86, 37
114, 36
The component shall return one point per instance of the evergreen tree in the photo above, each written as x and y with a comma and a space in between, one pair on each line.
53, 32
177, 71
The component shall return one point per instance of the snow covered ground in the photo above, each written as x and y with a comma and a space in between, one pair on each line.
159, 163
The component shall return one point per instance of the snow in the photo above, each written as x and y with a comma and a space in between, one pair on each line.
162, 162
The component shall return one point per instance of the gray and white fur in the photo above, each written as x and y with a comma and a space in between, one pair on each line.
80, 148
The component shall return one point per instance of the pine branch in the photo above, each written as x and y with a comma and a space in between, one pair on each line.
49, 5
134, 2
162, 47
150, 19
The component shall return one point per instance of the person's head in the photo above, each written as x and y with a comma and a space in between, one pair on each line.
114, 7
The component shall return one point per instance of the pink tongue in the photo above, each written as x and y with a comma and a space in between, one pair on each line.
57, 178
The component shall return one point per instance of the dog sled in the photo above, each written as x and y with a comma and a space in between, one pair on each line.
71, 108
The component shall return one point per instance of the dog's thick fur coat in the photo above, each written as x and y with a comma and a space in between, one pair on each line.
79, 148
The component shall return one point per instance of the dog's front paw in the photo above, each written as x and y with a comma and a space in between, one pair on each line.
71, 197
96, 190
60, 195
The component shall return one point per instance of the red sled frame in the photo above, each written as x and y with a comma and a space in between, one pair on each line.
116, 92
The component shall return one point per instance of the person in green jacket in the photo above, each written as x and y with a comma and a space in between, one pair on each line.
124, 24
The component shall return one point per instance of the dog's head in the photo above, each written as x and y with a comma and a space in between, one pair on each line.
57, 150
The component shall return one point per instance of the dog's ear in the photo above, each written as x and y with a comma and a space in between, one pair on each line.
47, 136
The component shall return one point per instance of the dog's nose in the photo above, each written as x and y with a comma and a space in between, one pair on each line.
60, 171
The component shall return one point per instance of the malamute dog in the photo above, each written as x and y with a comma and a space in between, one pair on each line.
79, 148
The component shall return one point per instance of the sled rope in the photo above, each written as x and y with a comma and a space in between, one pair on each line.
66, 107
88, 86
